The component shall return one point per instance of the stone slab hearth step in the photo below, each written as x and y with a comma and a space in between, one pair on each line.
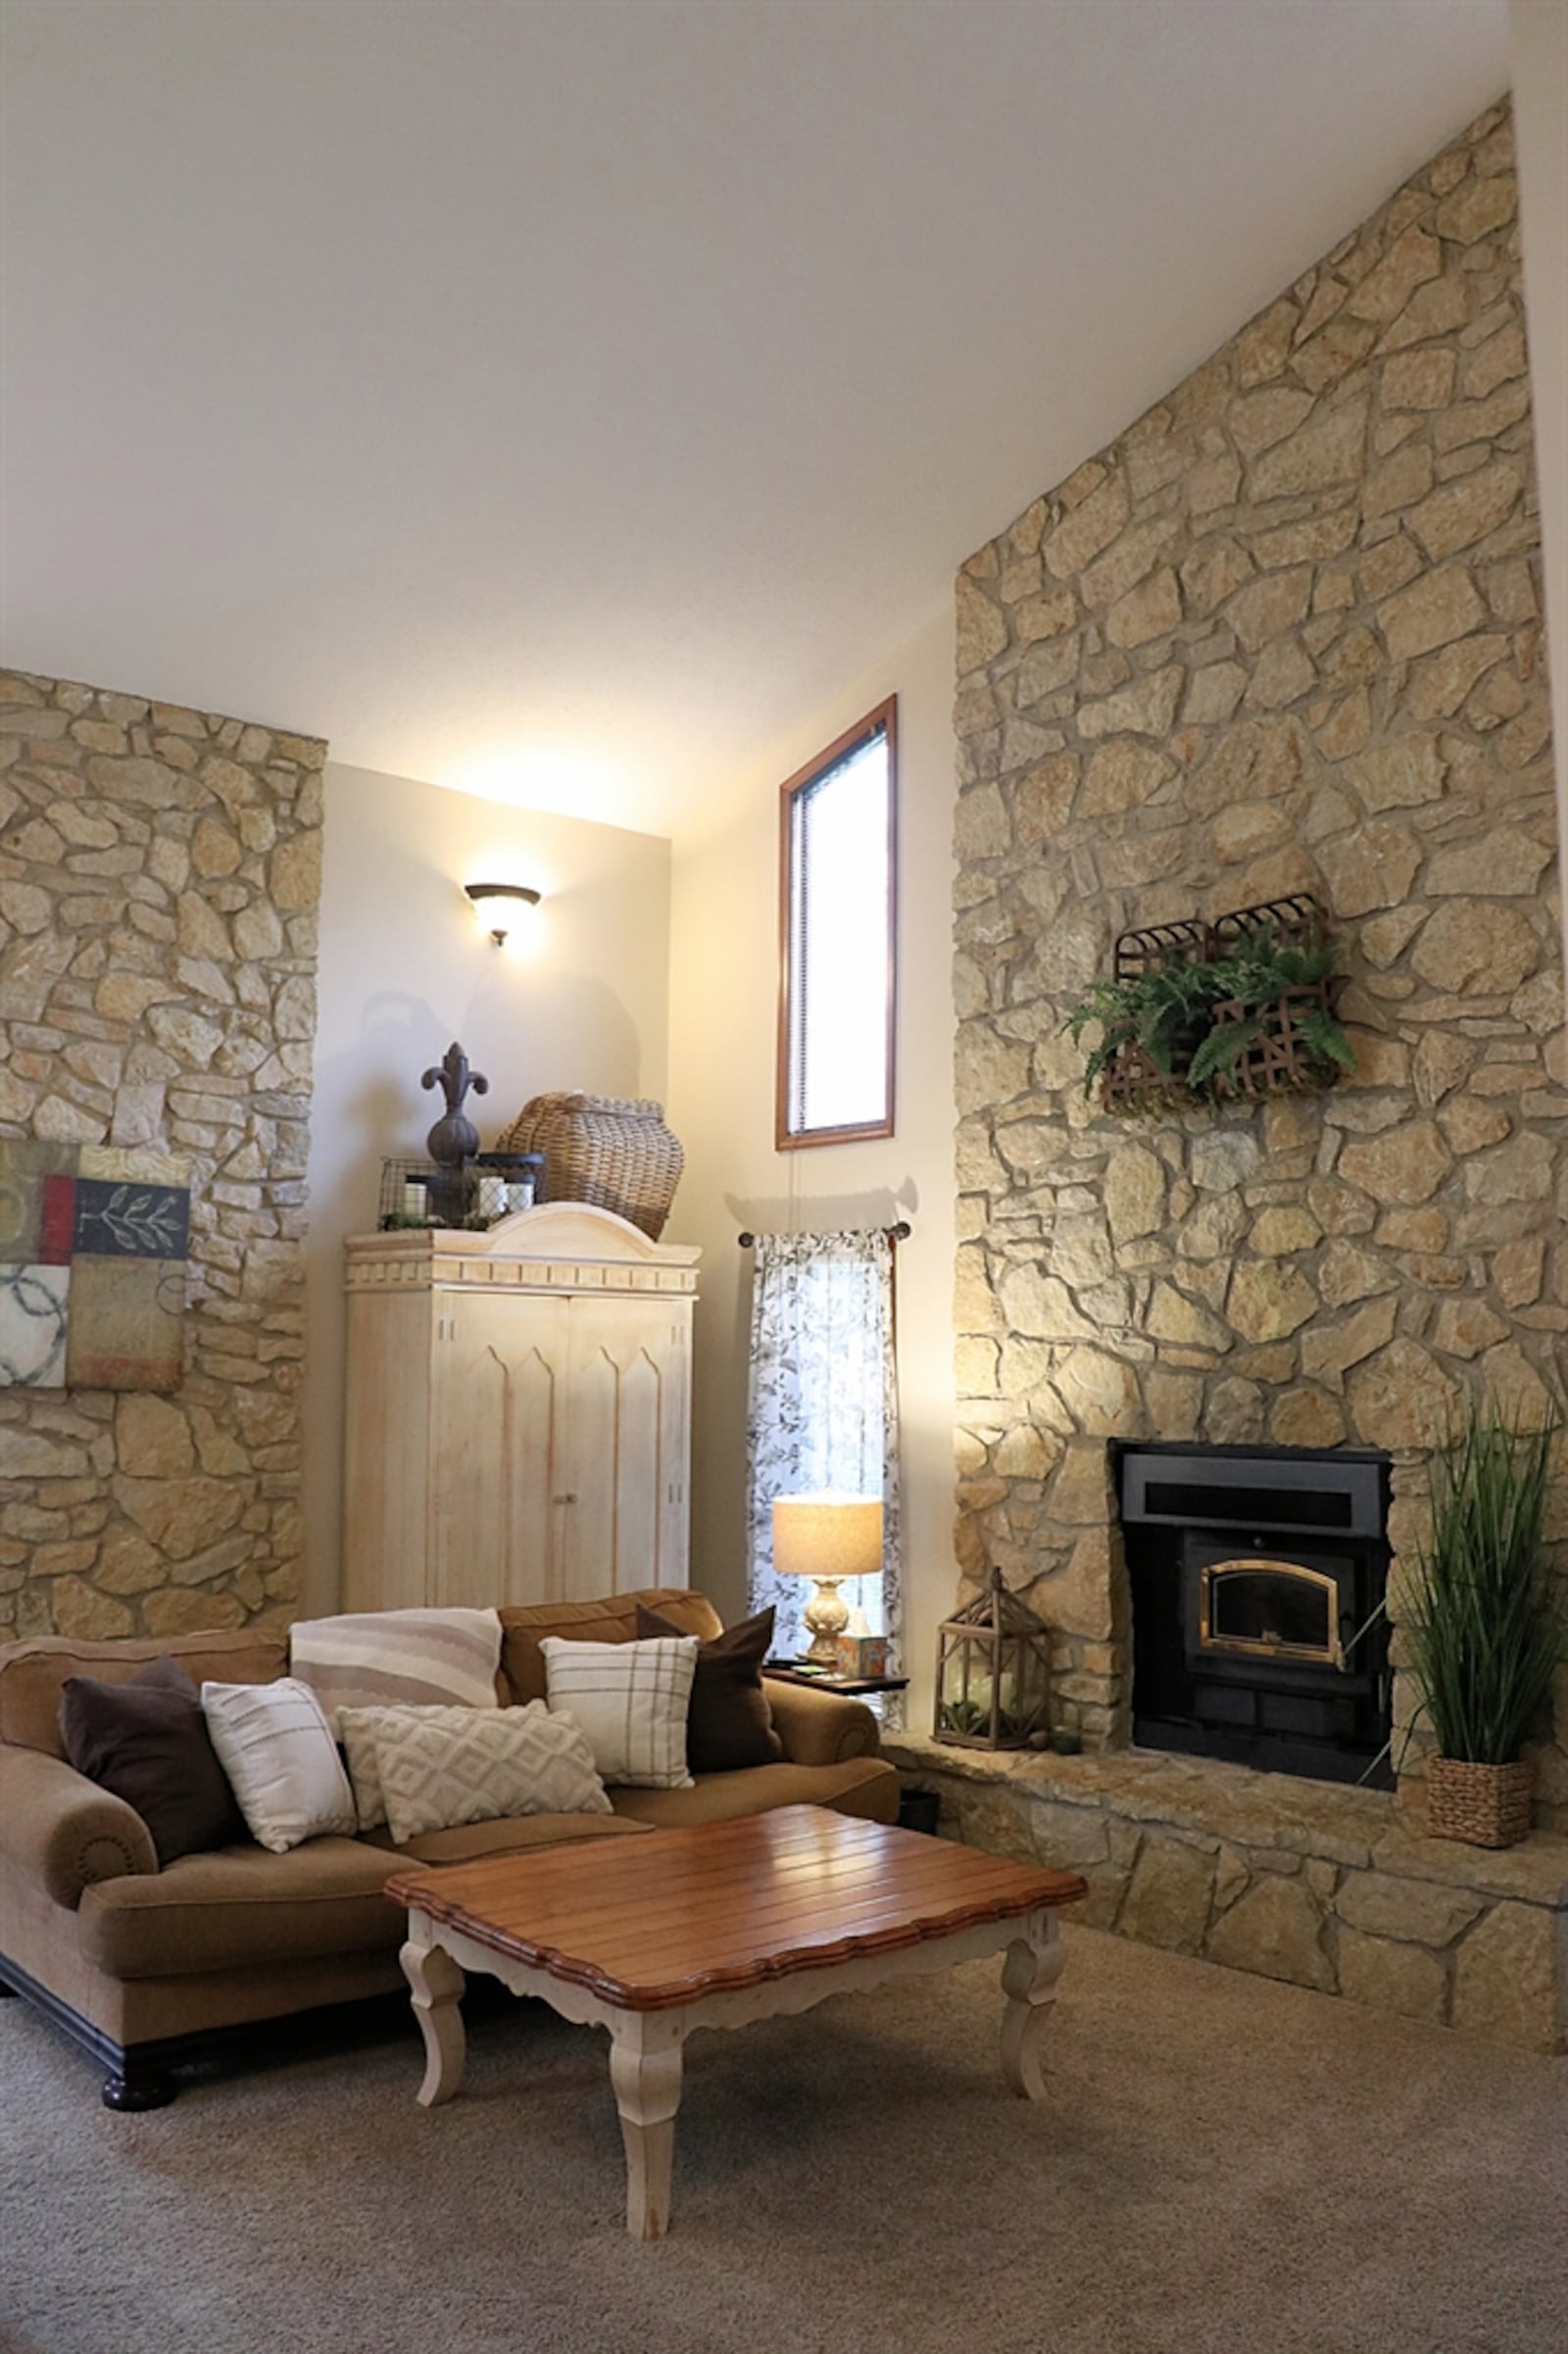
1325, 1887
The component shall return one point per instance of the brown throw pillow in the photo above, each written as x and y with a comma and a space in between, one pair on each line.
729, 1724
146, 1740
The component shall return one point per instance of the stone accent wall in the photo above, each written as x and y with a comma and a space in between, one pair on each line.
159, 876
1284, 634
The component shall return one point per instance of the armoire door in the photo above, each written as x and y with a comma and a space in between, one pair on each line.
501, 1380
626, 1445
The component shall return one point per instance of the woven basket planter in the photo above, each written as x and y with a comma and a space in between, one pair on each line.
1132, 1082
1278, 1061
615, 1151
1485, 1805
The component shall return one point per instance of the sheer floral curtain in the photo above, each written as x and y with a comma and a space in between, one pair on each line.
823, 1409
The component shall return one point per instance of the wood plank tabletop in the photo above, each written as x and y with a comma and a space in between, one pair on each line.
661, 1920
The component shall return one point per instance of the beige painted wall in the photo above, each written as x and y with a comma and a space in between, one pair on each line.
1539, 44
723, 1015
405, 968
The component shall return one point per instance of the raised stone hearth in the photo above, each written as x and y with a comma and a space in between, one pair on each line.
1337, 1889
1282, 635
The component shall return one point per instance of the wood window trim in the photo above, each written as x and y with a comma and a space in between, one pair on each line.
883, 717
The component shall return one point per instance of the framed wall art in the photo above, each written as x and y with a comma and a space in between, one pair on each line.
93, 1248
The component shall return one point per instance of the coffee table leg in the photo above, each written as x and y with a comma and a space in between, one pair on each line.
1029, 1977
645, 2069
436, 1982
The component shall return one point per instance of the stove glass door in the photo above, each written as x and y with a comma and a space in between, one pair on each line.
1270, 1609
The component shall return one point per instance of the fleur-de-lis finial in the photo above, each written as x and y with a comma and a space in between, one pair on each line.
455, 1137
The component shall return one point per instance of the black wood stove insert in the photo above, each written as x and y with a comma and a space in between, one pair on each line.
1254, 1571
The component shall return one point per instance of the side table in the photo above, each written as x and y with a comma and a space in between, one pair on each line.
790, 1671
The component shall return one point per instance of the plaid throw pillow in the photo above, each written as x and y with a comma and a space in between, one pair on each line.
631, 1699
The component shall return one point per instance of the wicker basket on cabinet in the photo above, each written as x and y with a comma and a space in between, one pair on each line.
612, 1151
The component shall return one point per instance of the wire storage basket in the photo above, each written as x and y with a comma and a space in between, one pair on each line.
508, 1182
473, 1196
406, 1198
611, 1151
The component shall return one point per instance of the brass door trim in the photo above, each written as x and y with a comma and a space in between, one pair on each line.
1329, 1654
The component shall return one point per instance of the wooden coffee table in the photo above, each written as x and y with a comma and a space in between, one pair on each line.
716, 1926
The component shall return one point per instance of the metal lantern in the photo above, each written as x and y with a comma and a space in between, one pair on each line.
993, 1672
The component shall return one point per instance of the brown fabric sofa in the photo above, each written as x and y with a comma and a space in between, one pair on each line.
147, 1967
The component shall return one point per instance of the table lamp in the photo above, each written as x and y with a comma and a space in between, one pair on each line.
827, 1537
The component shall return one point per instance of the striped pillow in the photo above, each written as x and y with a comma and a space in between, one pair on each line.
631, 1699
384, 1658
273, 1744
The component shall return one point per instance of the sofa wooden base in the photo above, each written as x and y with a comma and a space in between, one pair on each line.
148, 2076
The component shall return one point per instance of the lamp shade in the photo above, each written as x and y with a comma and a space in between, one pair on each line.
828, 1535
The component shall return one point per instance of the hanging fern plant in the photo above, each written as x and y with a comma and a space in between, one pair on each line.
1156, 1011
1271, 989
1190, 1025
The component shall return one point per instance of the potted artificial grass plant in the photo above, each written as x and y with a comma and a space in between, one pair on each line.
1483, 1638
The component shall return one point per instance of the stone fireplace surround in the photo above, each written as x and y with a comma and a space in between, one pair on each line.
1282, 635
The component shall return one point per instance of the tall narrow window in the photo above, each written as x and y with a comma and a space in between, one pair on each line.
837, 915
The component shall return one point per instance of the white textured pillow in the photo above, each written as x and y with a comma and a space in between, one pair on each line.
276, 1747
438, 1767
630, 1698
355, 1732
392, 1658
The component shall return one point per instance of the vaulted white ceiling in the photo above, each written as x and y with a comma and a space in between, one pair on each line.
560, 398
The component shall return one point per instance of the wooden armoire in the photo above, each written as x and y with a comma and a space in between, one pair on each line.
518, 1413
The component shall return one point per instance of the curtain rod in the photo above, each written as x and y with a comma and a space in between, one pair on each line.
895, 1234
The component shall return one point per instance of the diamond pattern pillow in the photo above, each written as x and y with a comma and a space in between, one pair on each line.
440, 1767
355, 1732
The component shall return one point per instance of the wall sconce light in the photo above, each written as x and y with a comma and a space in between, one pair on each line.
490, 899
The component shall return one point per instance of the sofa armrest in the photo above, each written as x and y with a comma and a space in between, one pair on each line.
820, 1728
63, 1831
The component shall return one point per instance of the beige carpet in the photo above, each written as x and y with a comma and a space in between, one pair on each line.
1226, 2167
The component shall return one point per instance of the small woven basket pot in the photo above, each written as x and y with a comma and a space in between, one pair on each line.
615, 1151
1485, 1805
